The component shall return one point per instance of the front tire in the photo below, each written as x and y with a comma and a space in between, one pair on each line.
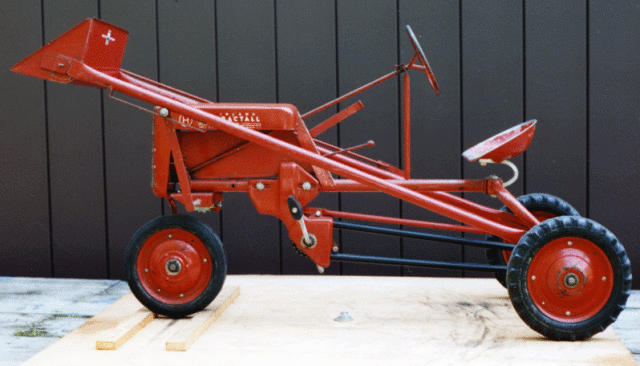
175, 265
569, 278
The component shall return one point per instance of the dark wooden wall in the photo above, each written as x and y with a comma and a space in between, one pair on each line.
75, 164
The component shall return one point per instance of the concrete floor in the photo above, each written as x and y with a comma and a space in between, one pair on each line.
35, 312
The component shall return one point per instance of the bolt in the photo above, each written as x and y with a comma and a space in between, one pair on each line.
344, 317
569, 243
170, 236
259, 186
306, 186
335, 249
164, 112
146, 269
604, 278
533, 278
158, 290
181, 295
294, 210
571, 280
320, 270
318, 213
568, 313
172, 267
205, 260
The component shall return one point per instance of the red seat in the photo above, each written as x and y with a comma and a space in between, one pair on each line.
504, 145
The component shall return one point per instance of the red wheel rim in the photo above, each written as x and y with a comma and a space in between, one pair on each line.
570, 279
541, 216
174, 266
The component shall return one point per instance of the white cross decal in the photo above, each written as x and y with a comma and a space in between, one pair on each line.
107, 37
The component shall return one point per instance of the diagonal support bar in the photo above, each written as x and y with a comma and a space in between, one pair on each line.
337, 118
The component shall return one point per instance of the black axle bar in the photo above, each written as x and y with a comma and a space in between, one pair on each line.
424, 236
417, 263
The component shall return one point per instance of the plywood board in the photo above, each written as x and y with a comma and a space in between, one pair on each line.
290, 320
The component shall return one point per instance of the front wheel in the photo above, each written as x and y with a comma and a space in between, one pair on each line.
569, 278
175, 265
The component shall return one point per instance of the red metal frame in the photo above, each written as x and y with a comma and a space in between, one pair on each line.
202, 149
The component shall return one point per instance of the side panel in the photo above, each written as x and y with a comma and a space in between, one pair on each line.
435, 120
367, 48
614, 106
128, 139
492, 88
189, 66
75, 162
556, 95
307, 79
24, 193
247, 73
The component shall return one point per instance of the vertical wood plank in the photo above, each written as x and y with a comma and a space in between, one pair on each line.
367, 49
614, 114
492, 88
187, 46
247, 73
555, 95
307, 79
435, 120
24, 197
128, 139
75, 161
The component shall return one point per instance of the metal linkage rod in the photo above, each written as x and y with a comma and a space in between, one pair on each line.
417, 263
423, 236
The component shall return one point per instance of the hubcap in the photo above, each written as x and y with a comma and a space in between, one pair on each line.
570, 279
174, 266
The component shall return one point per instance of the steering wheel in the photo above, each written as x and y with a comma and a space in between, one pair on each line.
423, 60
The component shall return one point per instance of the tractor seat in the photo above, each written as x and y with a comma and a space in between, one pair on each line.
505, 145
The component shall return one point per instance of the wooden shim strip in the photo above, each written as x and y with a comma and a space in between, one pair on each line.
125, 330
200, 322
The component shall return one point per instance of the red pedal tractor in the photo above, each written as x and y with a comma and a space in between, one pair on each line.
568, 277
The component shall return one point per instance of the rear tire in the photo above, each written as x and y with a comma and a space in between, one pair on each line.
175, 265
543, 206
569, 278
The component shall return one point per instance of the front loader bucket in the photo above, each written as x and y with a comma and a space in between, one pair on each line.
95, 43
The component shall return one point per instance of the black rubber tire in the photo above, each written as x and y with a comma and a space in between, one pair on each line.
217, 258
527, 249
534, 202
